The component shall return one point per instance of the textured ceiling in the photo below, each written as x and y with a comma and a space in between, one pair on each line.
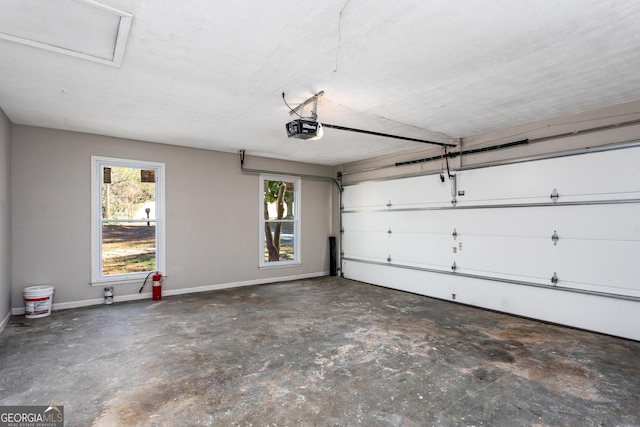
211, 74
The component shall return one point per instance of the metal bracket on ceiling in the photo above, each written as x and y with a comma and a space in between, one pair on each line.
314, 111
241, 153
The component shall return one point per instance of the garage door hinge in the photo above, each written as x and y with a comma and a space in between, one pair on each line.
389, 258
555, 238
554, 278
389, 204
454, 234
454, 266
554, 196
389, 232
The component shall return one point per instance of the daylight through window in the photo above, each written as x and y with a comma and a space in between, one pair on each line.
280, 217
127, 229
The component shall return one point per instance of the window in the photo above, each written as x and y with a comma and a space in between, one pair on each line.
127, 219
280, 221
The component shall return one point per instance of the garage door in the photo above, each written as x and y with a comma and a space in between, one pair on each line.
555, 239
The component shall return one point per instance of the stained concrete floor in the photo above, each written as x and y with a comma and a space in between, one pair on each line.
318, 352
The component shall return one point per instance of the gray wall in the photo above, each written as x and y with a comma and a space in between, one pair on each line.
212, 224
5, 219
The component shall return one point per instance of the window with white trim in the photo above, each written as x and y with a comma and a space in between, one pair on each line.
127, 213
279, 221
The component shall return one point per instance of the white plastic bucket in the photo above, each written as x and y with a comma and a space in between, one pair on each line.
37, 301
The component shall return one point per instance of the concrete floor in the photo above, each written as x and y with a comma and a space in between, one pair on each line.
321, 352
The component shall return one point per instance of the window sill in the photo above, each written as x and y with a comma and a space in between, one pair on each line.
280, 265
121, 281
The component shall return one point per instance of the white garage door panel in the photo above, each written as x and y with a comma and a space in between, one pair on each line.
604, 266
419, 282
524, 258
366, 221
586, 177
601, 266
596, 222
538, 222
406, 192
433, 222
503, 250
424, 250
491, 186
370, 246
367, 195
616, 221
419, 191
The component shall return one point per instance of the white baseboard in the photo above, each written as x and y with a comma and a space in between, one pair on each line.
239, 284
17, 311
5, 321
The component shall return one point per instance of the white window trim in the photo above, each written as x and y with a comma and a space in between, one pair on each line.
96, 220
297, 221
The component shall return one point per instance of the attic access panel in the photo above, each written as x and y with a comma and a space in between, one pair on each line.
80, 28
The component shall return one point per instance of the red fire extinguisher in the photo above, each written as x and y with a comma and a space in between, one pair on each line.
157, 287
